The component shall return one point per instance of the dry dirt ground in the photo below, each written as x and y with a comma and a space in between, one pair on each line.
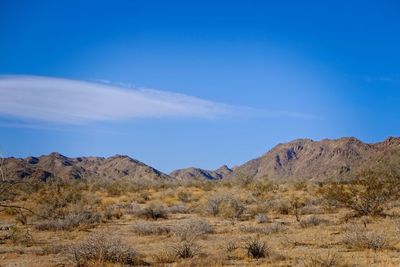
196, 225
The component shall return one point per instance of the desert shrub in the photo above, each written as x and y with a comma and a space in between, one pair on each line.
20, 236
296, 204
191, 229
368, 194
179, 208
225, 205
70, 222
154, 212
300, 186
261, 218
278, 206
55, 198
113, 211
261, 187
322, 260
256, 248
214, 204
312, 221
165, 256
116, 188
184, 196
129, 208
99, 249
266, 229
356, 236
186, 249
146, 228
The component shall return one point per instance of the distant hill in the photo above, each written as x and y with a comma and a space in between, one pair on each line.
56, 165
305, 159
301, 159
196, 173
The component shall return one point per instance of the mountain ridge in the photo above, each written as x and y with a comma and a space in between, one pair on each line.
300, 159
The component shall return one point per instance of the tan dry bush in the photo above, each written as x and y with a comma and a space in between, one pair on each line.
55, 199
146, 228
191, 229
262, 187
98, 249
20, 236
261, 218
154, 212
113, 211
312, 221
71, 221
179, 208
278, 206
322, 260
225, 205
165, 256
360, 237
272, 228
184, 196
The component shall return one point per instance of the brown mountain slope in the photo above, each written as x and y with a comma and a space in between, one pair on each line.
57, 165
196, 173
306, 159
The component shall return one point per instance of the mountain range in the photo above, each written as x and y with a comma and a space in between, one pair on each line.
301, 159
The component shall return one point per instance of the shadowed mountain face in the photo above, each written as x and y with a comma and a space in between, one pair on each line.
57, 165
305, 159
196, 173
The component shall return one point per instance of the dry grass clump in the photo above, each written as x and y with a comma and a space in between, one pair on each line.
360, 237
266, 229
261, 218
154, 212
312, 221
99, 249
191, 229
71, 221
20, 236
256, 248
113, 211
179, 208
184, 196
146, 228
322, 260
278, 206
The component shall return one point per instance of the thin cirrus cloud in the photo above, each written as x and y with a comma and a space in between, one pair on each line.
74, 102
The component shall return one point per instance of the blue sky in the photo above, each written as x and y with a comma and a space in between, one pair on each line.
195, 83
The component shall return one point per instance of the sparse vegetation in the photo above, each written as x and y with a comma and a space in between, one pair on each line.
186, 223
360, 237
100, 249
256, 248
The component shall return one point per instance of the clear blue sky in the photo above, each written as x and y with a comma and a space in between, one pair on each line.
249, 75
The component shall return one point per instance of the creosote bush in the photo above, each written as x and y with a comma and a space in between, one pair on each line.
225, 205
368, 194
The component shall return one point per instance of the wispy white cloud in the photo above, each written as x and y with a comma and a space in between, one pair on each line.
73, 102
